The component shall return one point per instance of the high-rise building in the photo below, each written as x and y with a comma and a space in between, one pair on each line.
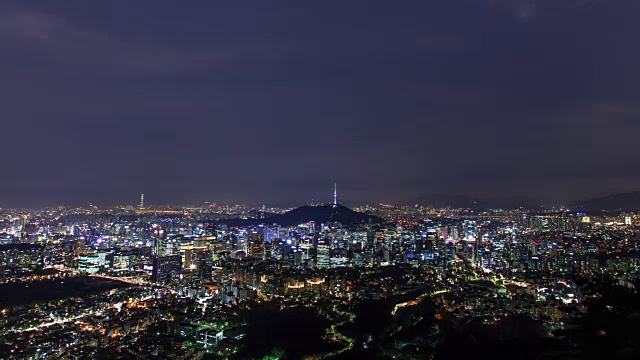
271, 233
164, 265
478, 245
142, 201
323, 253
89, 261
159, 241
256, 248
267, 251
298, 255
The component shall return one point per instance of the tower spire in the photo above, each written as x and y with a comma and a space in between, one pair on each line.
335, 194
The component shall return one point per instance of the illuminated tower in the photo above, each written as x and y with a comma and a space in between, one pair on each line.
142, 201
335, 194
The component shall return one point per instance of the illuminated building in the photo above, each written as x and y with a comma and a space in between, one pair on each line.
89, 261
267, 253
256, 248
164, 266
478, 245
323, 253
271, 233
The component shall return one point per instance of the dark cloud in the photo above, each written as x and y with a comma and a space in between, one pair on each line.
274, 101
53, 39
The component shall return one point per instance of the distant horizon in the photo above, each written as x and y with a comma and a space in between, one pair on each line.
440, 198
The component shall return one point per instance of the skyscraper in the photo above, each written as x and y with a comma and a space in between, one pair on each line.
323, 253
479, 247
335, 194
271, 233
142, 201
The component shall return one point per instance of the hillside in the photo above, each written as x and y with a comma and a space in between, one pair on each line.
323, 214
616, 202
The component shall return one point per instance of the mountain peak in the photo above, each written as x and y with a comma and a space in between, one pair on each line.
615, 202
323, 214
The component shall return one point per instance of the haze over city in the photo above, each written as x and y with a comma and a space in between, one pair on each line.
264, 102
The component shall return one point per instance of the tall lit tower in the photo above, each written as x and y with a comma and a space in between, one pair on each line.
142, 201
335, 194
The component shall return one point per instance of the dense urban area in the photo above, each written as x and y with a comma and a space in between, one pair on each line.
319, 281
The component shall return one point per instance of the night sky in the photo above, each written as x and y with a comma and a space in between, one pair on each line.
271, 101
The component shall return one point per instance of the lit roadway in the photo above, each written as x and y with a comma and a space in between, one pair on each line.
117, 305
69, 319
124, 280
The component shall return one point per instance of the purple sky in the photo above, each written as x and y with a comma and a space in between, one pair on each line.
268, 101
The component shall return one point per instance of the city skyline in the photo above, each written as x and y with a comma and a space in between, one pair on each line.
264, 103
607, 202
214, 282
